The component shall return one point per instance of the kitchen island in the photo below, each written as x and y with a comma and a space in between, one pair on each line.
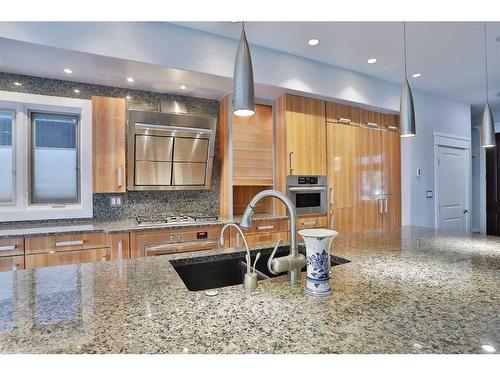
414, 290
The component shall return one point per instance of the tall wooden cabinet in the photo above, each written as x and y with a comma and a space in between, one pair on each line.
364, 177
108, 144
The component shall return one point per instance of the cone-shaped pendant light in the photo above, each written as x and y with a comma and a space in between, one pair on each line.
488, 125
243, 92
406, 107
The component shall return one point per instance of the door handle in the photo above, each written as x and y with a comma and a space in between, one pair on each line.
120, 249
385, 205
69, 243
344, 120
8, 248
120, 176
292, 162
380, 208
466, 211
332, 198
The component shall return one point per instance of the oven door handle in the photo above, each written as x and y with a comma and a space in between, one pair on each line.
304, 188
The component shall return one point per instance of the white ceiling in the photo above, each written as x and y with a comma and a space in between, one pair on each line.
449, 55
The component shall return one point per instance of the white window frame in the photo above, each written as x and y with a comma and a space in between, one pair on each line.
22, 104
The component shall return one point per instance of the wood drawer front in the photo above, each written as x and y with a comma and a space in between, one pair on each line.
312, 222
341, 113
47, 244
389, 121
370, 118
11, 263
12, 246
67, 257
265, 239
266, 226
139, 240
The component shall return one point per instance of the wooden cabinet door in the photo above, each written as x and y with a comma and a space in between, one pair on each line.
370, 214
67, 257
343, 220
389, 121
120, 246
369, 118
108, 144
391, 163
253, 148
370, 162
340, 113
11, 263
342, 162
392, 211
305, 136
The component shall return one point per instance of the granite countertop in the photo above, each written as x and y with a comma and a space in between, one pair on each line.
89, 225
410, 291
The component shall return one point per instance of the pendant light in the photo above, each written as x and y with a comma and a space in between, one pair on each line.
488, 125
243, 91
406, 107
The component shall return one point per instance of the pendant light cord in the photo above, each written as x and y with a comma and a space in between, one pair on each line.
404, 45
486, 61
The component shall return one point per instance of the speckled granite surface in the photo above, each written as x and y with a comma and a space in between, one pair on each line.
409, 292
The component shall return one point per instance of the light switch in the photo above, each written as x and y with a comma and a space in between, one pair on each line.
429, 194
419, 172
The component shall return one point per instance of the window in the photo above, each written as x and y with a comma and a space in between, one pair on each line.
45, 157
7, 159
54, 159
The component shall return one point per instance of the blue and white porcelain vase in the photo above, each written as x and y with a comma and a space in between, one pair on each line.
318, 243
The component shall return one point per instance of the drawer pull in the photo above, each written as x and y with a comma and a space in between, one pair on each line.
309, 222
392, 127
178, 247
120, 176
120, 249
69, 243
8, 248
372, 124
266, 227
292, 162
344, 120
308, 188
332, 198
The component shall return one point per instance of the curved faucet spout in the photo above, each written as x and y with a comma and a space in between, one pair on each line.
295, 259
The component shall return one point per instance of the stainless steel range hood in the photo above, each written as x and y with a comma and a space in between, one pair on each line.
169, 151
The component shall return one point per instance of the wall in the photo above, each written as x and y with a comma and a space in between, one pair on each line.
135, 203
433, 114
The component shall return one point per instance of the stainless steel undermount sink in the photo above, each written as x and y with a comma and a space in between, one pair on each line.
221, 270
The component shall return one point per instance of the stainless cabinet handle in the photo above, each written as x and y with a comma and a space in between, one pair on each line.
292, 162
15, 267
177, 247
237, 239
392, 127
380, 208
69, 243
344, 120
8, 248
266, 227
120, 249
372, 124
120, 175
307, 188
385, 205
309, 222
332, 198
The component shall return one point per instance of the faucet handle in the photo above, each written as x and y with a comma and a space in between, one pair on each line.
270, 260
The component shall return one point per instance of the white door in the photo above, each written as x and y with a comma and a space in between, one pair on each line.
452, 189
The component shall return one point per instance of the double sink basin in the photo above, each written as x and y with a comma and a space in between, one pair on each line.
218, 271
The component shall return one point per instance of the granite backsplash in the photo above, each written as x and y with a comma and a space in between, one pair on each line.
197, 202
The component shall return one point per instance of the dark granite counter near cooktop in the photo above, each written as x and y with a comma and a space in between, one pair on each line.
414, 291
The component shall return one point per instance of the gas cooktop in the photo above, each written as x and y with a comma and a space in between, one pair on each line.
171, 219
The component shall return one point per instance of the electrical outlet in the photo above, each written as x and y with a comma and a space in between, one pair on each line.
429, 194
115, 201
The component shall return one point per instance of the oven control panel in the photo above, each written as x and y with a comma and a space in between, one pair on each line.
308, 180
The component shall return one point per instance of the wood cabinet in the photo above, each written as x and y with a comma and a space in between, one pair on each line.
343, 114
11, 263
171, 241
262, 233
65, 242
303, 130
253, 148
370, 119
120, 246
68, 257
389, 121
391, 163
308, 222
11, 247
108, 144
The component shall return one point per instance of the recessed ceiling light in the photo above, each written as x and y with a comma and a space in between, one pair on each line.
128, 97
76, 91
183, 87
18, 84
416, 75
488, 348
313, 42
68, 71
130, 79
373, 60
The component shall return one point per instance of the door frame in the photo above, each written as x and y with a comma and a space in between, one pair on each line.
453, 141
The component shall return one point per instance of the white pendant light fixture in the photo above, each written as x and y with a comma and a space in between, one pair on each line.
487, 125
243, 90
406, 107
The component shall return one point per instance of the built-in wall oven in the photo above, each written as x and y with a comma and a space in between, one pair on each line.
308, 193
